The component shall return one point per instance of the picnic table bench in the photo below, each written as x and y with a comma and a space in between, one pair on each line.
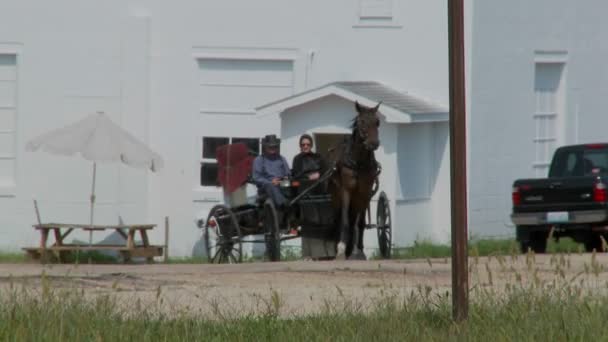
60, 249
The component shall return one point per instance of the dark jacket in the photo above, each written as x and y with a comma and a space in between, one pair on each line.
307, 163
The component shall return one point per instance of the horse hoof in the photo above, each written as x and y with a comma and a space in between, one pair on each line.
341, 251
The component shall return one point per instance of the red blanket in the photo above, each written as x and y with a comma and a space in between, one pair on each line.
234, 165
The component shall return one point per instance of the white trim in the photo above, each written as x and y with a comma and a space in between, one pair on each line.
378, 26
240, 53
91, 96
389, 20
544, 114
391, 115
248, 85
211, 111
332, 130
545, 139
207, 194
430, 117
8, 190
11, 48
400, 200
548, 56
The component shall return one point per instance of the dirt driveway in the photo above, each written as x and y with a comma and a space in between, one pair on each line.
295, 287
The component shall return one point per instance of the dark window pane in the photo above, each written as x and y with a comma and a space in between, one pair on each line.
577, 163
209, 174
253, 144
210, 144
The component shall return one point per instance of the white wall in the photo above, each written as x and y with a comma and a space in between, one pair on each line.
422, 196
506, 38
137, 61
72, 63
326, 49
441, 187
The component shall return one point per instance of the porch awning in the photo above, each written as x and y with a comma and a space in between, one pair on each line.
397, 106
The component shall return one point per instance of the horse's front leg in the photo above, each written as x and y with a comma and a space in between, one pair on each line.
358, 231
344, 227
357, 242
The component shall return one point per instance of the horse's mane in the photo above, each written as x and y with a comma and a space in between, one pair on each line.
354, 124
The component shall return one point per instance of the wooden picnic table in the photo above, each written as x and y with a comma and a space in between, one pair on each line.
60, 231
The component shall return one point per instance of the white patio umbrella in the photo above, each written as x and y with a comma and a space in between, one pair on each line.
98, 139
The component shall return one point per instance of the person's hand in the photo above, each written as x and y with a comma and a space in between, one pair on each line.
276, 181
313, 176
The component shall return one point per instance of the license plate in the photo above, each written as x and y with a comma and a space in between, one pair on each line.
558, 216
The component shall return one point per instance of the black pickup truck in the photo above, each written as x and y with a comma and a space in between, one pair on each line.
572, 202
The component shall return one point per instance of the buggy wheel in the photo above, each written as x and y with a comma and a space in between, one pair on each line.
383, 222
272, 236
223, 239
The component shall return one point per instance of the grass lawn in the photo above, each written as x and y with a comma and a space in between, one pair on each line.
523, 314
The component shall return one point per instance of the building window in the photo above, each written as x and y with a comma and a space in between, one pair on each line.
250, 82
209, 167
376, 9
253, 144
549, 101
376, 13
8, 118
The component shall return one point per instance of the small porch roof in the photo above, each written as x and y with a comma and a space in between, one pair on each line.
397, 107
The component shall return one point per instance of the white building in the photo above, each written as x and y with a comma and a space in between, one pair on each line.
186, 77
537, 79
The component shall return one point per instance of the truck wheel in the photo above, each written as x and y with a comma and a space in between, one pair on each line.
536, 242
594, 242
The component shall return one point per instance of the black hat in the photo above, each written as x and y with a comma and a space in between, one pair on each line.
271, 140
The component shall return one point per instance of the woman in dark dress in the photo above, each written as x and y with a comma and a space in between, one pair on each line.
307, 165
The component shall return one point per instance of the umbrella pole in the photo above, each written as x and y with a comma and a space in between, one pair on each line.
93, 192
92, 203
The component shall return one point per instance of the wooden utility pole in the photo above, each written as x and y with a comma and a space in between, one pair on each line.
458, 161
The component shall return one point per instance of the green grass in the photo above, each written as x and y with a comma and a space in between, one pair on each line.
478, 247
521, 314
81, 257
11, 257
420, 249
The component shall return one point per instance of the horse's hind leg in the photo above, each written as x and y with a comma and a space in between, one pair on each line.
357, 243
344, 227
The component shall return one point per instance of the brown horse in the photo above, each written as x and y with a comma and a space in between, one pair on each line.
352, 183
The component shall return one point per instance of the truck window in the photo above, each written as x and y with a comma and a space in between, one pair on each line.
579, 163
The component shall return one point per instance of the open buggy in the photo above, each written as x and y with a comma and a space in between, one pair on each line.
309, 212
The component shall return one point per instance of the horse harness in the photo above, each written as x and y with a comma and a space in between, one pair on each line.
349, 162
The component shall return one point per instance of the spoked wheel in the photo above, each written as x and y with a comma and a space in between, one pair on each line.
272, 234
223, 239
383, 221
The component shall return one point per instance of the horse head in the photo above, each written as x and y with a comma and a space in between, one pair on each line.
365, 126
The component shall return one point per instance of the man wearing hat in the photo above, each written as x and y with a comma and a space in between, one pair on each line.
270, 168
